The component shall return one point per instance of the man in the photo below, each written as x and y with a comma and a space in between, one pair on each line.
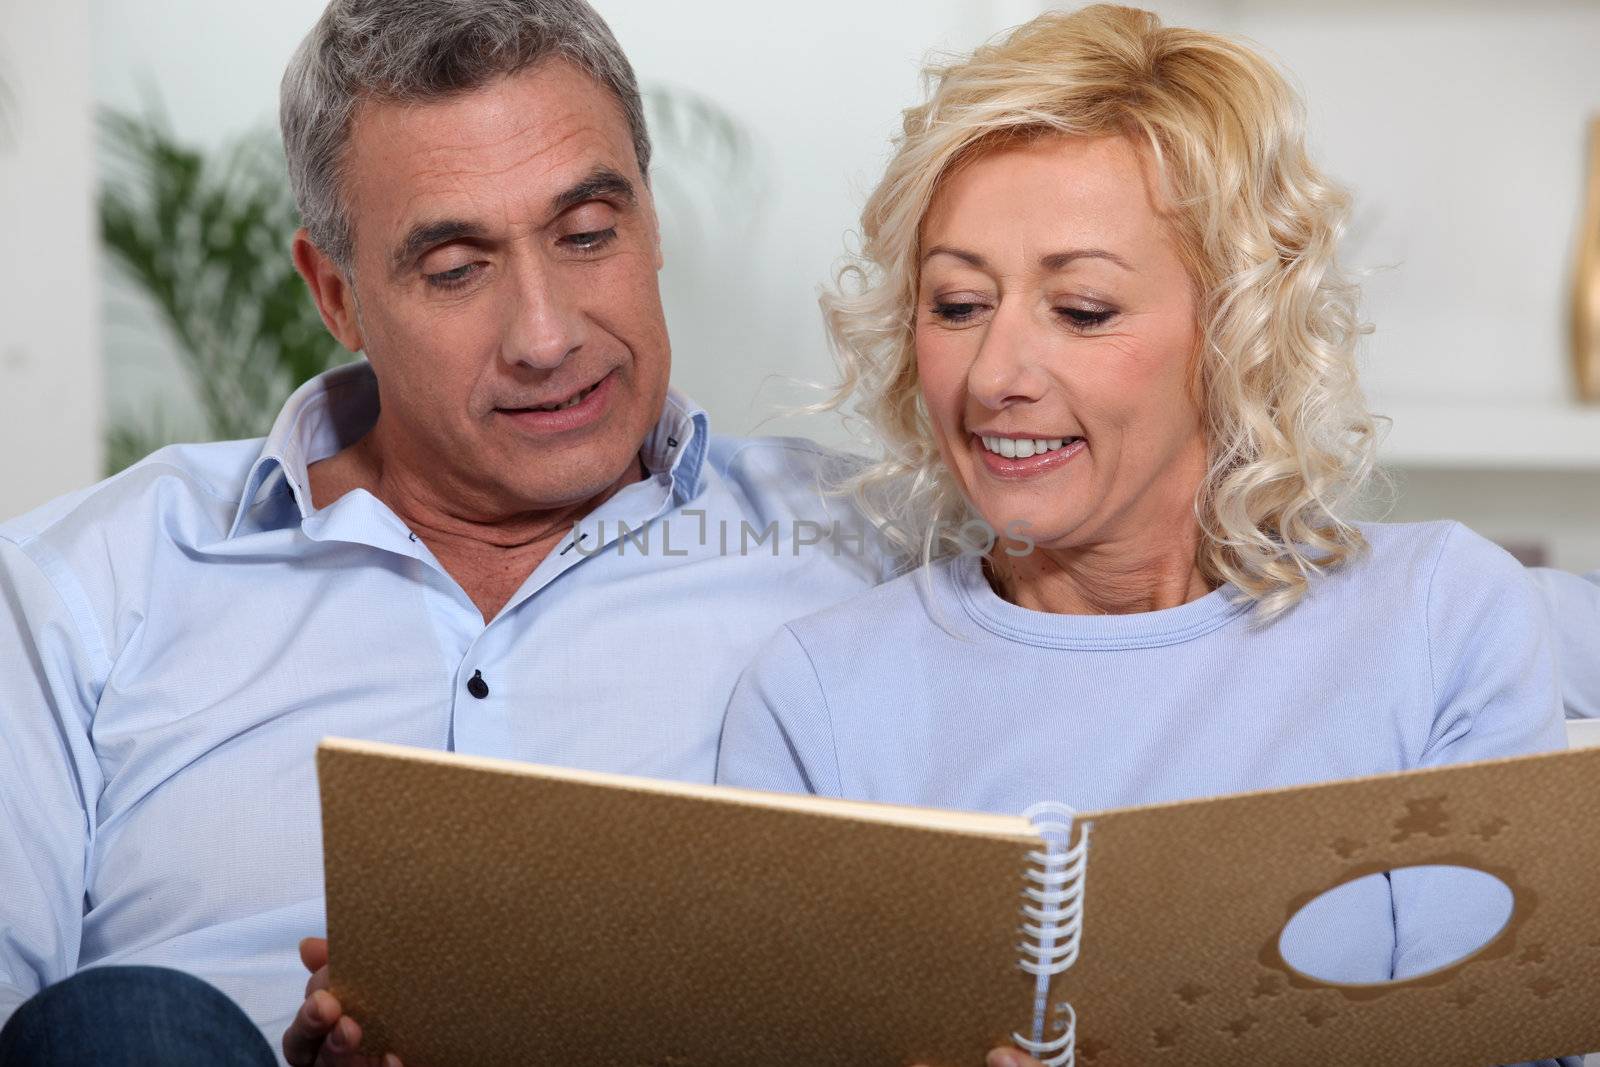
440, 546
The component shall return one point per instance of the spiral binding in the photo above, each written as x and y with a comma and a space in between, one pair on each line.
1053, 925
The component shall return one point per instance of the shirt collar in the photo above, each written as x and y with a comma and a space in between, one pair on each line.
677, 446
333, 410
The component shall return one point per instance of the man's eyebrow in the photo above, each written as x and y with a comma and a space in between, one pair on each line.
1053, 261
602, 181
425, 235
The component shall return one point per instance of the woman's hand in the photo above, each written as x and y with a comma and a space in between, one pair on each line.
322, 1035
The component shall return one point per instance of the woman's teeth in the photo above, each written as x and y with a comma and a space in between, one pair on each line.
1023, 448
576, 398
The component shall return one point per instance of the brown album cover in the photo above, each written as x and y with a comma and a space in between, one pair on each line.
486, 912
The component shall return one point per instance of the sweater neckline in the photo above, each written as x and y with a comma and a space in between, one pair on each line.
1149, 629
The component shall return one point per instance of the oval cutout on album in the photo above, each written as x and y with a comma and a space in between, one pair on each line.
1324, 939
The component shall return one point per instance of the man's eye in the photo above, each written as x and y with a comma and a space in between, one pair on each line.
590, 240
450, 279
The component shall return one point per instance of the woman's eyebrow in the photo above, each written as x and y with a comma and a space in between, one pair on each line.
1051, 262
1059, 260
970, 258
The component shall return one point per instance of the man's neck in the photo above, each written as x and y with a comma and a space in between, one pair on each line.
489, 552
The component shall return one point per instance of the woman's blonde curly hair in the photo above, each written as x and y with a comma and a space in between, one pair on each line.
1290, 439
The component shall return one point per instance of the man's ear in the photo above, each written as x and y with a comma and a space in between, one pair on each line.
334, 293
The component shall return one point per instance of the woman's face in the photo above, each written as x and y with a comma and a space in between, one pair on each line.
1055, 336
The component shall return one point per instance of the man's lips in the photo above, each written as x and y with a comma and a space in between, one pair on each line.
566, 401
570, 413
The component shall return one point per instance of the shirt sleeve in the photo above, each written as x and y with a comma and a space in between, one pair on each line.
778, 734
1573, 602
49, 779
1496, 694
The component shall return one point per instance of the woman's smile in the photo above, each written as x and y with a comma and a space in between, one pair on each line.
1014, 456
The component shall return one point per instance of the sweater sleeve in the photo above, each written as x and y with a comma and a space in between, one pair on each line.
1573, 602
1495, 694
777, 734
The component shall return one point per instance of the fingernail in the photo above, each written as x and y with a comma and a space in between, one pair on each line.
336, 1040
1003, 1057
391, 1060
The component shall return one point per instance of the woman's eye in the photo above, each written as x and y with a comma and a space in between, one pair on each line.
1085, 318
954, 311
455, 276
591, 239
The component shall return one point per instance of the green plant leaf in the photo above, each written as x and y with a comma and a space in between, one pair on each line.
205, 238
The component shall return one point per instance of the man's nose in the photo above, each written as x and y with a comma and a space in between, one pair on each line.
1005, 370
544, 322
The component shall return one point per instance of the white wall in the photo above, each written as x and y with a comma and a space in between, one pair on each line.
50, 359
1461, 128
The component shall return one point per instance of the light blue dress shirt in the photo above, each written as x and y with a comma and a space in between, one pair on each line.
1432, 648
175, 641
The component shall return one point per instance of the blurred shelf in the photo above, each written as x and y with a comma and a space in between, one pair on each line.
1482, 437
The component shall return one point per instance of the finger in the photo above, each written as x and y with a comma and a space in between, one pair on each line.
1010, 1057
304, 1038
314, 952
319, 980
1006, 1056
343, 1047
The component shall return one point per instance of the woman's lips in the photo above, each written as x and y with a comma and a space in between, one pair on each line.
1032, 465
584, 413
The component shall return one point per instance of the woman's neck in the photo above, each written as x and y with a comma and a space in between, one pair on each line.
1104, 579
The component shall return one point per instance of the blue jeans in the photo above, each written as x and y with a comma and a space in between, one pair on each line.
132, 1017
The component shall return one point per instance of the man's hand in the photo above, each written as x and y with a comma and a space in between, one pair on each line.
1006, 1056
322, 1035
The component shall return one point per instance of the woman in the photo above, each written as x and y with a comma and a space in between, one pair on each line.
1098, 309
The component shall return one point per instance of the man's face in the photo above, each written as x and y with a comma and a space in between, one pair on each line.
505, 263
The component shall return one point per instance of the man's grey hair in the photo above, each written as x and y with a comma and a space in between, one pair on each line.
422, 50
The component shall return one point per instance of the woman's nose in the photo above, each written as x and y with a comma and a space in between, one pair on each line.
1005, 370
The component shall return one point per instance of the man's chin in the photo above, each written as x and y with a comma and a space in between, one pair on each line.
558, 489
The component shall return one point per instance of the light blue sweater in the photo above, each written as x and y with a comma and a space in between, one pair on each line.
1432, 648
